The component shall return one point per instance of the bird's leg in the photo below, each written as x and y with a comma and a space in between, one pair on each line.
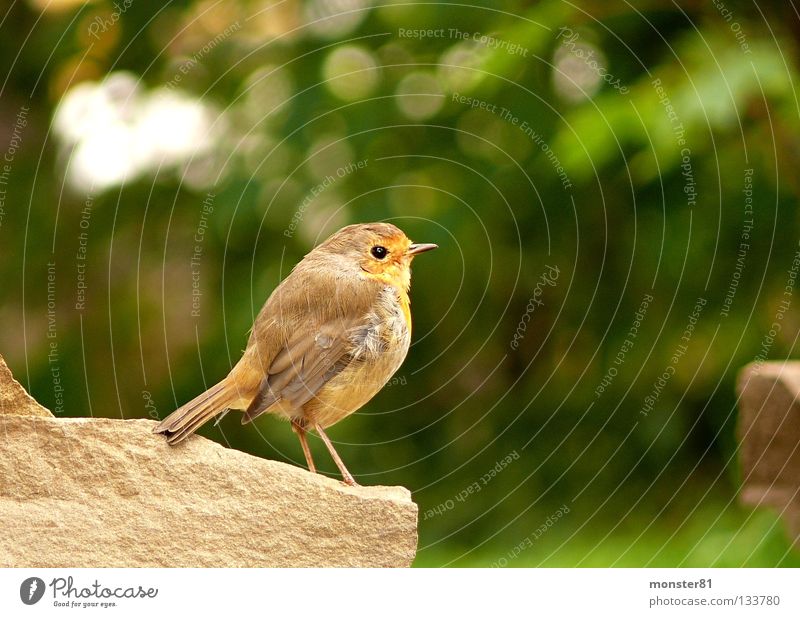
346, 475
300, 429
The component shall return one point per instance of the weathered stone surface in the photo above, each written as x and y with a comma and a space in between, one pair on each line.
109, 493
96, 492
769, 437
13, 397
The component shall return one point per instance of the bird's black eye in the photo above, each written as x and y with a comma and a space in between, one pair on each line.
379, 252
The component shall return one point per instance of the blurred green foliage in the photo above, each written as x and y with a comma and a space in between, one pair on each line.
512, 153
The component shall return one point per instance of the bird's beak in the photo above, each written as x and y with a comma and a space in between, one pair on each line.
415, 249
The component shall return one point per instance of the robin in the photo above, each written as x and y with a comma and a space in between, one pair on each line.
326, 341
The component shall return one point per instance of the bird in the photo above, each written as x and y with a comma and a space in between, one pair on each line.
326, 341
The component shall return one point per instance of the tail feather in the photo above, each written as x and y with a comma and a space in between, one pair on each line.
189, 417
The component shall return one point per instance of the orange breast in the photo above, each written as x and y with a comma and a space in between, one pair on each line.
405, 305
400, 283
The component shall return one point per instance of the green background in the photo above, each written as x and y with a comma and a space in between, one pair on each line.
294, 97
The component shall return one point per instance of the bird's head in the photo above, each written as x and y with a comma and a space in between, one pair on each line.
380, 250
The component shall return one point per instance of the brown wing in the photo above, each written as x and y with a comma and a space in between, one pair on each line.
309, 360
304, 334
